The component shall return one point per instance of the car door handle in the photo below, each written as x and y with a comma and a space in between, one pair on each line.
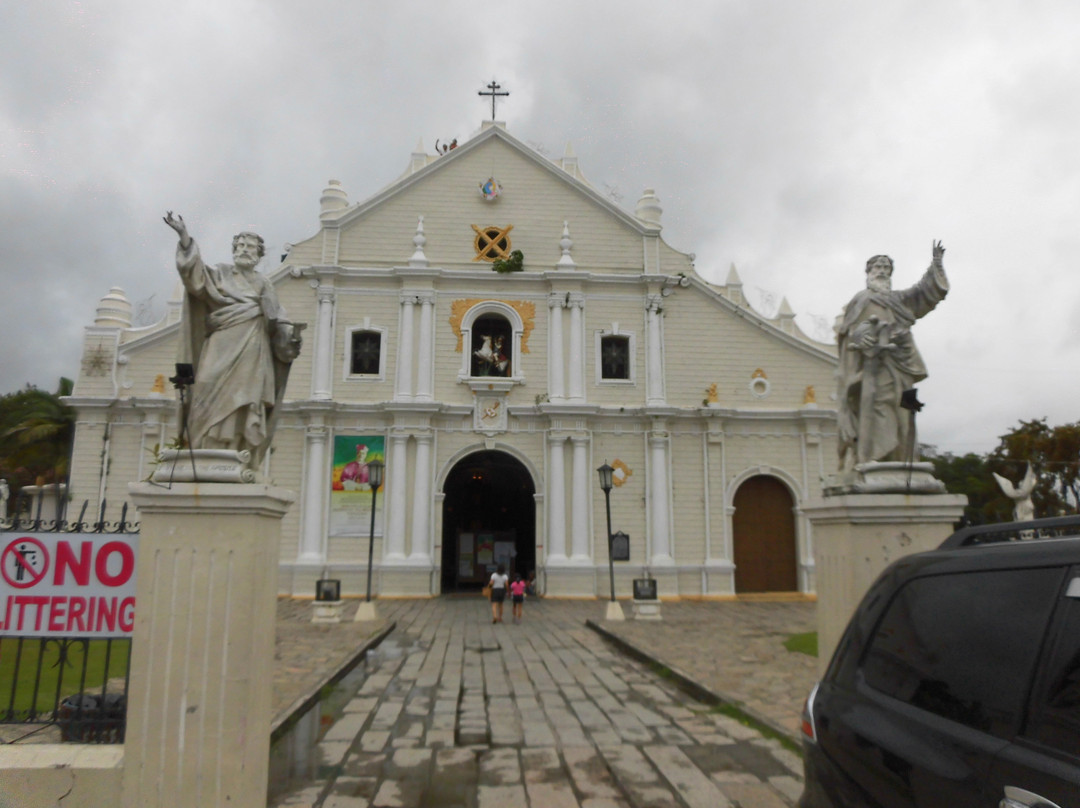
1020, 798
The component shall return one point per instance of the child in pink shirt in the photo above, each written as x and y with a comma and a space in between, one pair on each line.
517, 595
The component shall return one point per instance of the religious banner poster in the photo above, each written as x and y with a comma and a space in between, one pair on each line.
350, 491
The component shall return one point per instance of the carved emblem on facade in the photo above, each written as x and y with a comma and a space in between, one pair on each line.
492, 242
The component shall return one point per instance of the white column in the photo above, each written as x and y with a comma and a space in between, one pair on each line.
420, 550
556, 357
403, 386
397, 495
425, 371
316, 470
658, 499
579, 535
577, 356
653, 351
556, 541
324, 345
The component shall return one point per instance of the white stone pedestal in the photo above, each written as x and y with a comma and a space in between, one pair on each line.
328, 611
198, 721
856, 536
647, 610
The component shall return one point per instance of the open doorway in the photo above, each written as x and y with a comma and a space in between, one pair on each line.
489, 517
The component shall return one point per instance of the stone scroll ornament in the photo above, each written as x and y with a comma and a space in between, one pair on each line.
241, 345
879, 363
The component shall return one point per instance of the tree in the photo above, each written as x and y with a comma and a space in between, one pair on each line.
970, 474
36, 431
1054, 454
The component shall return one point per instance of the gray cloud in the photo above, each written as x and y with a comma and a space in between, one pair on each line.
794, 140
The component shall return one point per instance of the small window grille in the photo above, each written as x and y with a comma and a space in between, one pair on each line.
615, 357
366, 351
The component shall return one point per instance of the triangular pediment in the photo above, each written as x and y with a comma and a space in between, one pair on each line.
539, 201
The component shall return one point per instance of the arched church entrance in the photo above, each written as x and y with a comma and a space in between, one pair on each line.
489, 517
764, 537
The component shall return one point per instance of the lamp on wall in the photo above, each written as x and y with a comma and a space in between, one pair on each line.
614, 610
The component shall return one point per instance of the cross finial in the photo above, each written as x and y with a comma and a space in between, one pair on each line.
494, 88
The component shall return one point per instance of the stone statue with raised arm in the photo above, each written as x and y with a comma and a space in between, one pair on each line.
1020, 494
236, 336
879, 361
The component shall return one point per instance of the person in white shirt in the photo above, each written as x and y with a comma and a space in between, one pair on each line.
498, 583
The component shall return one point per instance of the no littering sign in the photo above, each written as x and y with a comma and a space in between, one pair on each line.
56, 584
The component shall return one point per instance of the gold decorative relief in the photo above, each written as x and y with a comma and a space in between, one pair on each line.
525, 309
620, 472
492, 242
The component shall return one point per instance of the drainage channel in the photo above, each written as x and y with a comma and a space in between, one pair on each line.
294, 759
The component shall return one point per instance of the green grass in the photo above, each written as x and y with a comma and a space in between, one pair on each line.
93, 652
733, 711
803, 643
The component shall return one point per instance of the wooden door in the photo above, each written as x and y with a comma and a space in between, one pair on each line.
764, 527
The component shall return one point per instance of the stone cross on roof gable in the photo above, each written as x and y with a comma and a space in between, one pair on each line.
494, 88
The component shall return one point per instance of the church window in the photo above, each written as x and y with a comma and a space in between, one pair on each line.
492, 242
366, 353
615, 357
492, 346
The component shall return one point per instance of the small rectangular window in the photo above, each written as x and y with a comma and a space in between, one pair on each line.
366, 349
615, 357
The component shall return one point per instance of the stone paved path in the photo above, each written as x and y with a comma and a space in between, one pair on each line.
455, 711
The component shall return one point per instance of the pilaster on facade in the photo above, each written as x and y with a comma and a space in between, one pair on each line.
313, 531
556, 355
322, 361
654, 350
581, 486
421, 544
576, 372
403, 384
425, 370
660, 497
556, 540
397, 463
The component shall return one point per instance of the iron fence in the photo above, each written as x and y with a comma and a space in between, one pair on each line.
67, 688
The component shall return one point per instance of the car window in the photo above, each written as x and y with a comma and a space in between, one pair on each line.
962, 646
1055, 719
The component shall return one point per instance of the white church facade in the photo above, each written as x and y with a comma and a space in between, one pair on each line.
492, 397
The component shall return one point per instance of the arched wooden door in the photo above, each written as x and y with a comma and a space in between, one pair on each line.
764, 528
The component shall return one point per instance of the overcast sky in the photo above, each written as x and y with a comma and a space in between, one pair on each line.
793, 139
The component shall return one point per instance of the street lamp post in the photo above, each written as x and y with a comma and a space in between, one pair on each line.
375, 478
614, 610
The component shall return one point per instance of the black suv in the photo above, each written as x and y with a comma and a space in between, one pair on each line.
957, 681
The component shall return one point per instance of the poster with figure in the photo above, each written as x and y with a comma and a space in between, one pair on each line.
350, 488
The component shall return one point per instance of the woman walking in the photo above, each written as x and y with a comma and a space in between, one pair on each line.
498, 593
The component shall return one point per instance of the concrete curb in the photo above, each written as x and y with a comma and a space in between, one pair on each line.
690, 686
290, 715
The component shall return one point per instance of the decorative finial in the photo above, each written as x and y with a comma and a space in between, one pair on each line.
419, 240
565, 261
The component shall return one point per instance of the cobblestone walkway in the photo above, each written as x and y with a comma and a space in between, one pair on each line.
455, 711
